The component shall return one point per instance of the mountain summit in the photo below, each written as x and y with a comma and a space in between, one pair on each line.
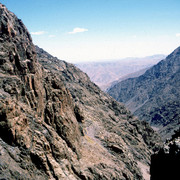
154, 96
56, 124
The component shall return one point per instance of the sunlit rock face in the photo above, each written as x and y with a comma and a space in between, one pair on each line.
56, 124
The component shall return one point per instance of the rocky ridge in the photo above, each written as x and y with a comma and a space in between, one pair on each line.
131, 75
154, 96
56, 124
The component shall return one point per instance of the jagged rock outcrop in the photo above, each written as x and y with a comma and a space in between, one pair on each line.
56, 124
154, 96
165, 163
38, 123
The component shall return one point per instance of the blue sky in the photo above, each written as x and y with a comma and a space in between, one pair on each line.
90, 30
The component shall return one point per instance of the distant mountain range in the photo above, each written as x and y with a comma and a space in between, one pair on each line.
155, 95
105, 73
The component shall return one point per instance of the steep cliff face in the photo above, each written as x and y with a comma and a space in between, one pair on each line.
38, 125
154, 96
56, 124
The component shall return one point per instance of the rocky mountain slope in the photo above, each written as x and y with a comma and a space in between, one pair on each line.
104, 73
131, 75
154, 96
56, 124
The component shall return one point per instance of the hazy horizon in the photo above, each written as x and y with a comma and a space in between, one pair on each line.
120, 59
91, 30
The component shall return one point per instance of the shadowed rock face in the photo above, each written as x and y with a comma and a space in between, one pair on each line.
154, 96
56, 124
165, 163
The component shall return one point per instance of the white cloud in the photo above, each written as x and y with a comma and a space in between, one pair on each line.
177, 34
51, 36
78, 30
38, 33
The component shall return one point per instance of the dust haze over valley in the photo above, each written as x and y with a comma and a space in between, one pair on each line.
104, 73
119, 119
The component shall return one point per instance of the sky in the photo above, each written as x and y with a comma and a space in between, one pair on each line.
96, 30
